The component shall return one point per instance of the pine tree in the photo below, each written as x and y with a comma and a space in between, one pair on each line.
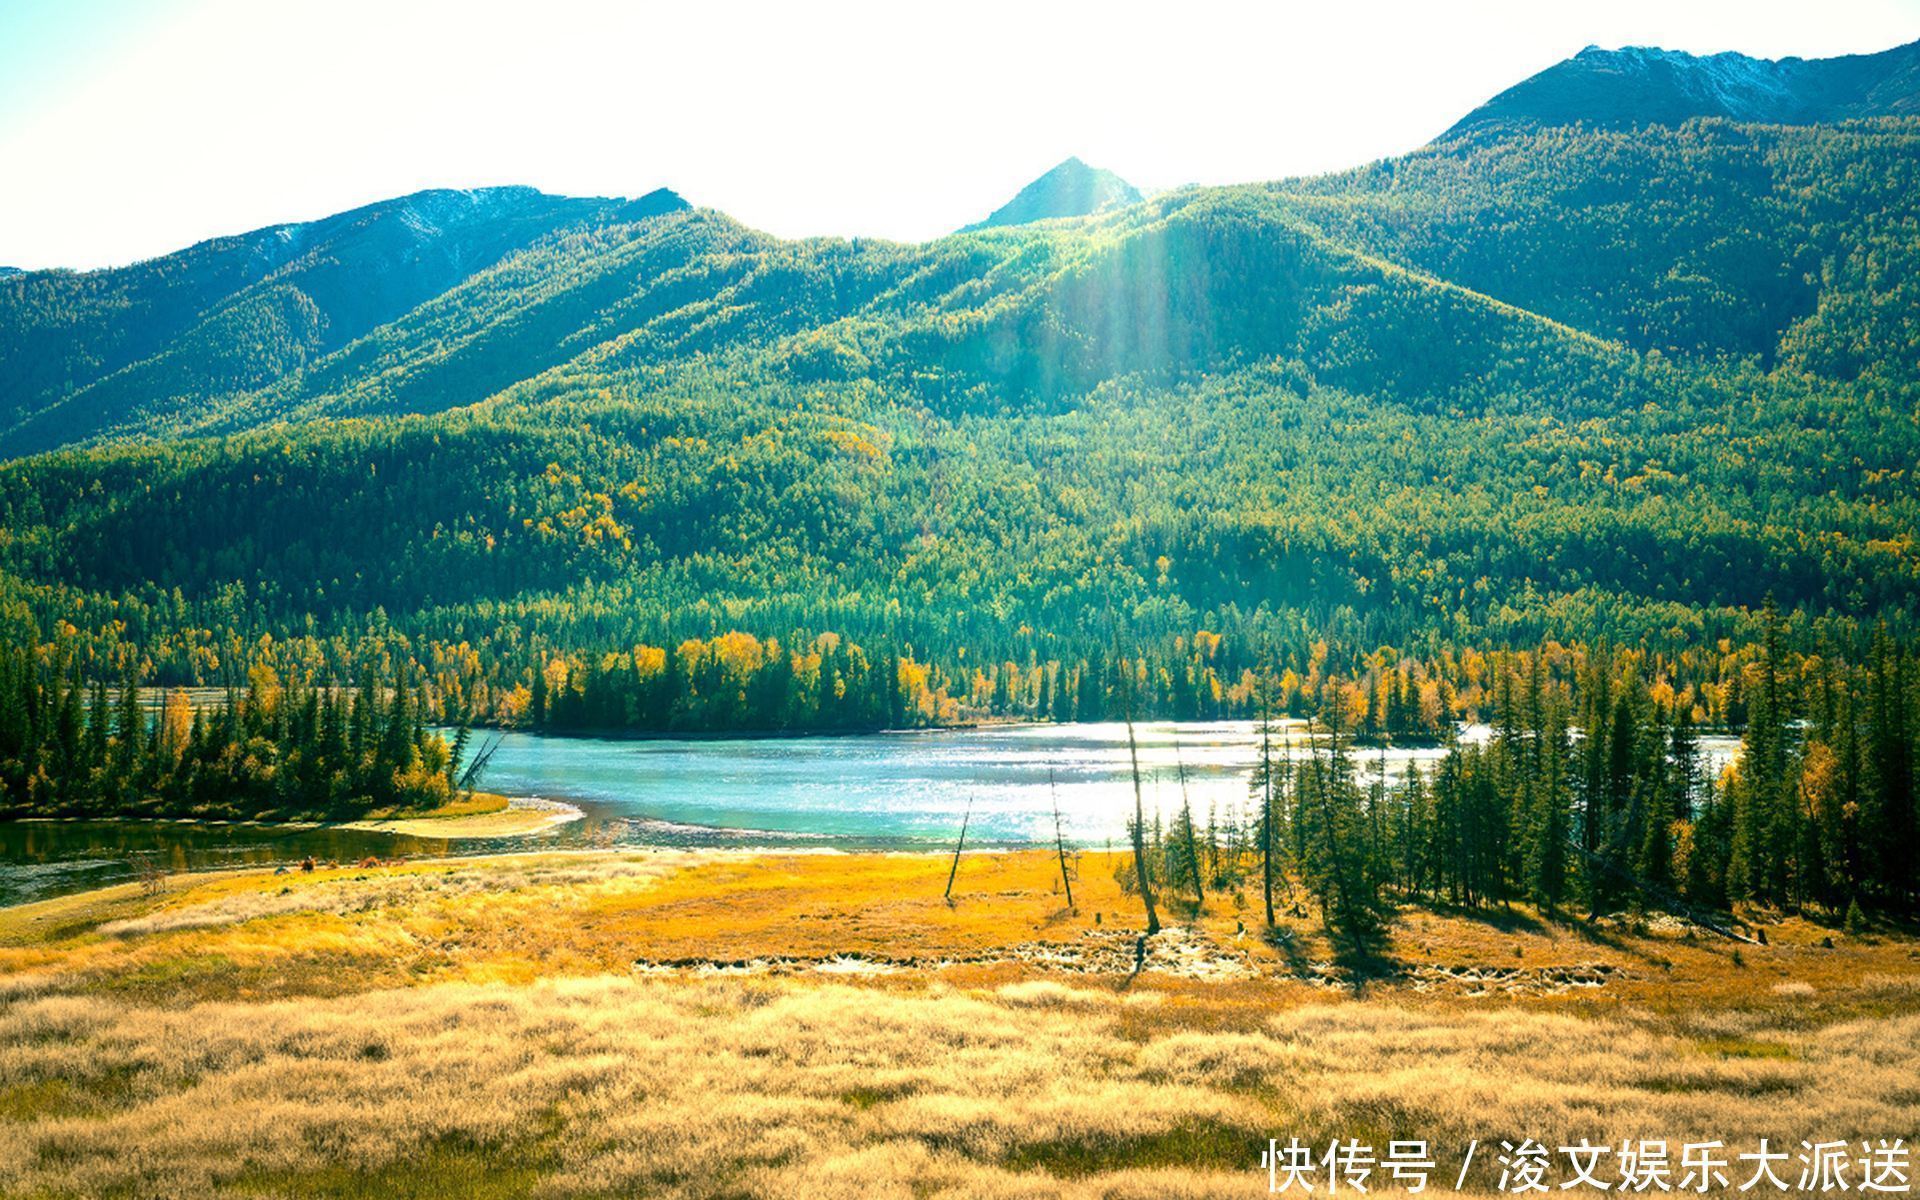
129, 728
1764, 834
1890, 772
1552, 822
99, 727
1684, 754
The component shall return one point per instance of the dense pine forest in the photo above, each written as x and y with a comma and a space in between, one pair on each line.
286, 752
1591, 794
1599, 434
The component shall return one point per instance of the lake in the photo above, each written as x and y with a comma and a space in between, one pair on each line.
888, 790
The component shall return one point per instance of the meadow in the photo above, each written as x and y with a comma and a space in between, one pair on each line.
708, 1023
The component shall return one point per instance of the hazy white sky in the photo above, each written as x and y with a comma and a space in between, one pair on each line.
132, 128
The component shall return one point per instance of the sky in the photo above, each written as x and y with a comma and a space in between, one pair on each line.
130, 128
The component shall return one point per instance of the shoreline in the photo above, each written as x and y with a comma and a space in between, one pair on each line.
619, 734
523, 816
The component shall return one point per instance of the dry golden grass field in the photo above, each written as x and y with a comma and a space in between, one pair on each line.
711, 1024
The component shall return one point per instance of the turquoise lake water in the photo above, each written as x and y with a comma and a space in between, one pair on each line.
890, 790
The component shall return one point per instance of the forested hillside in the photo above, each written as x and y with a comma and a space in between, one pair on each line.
145, 345
1789, 245
1545, 385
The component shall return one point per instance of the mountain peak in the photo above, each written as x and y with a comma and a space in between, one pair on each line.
653, 204
1071, 189
1649, 85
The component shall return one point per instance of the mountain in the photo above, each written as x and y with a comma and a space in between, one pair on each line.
1540, 382
10, 272
1072, 189
1640, 85
138, 345
1785, 243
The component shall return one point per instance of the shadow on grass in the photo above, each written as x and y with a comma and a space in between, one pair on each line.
1190, 1144
1566, 921
1281, 939
1060, 916
452, 1167
1504, 919
1360, 949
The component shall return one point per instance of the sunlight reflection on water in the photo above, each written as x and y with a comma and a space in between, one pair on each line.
888, 790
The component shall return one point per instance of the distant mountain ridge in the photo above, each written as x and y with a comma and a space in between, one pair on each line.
1072, 189
1640, 85
94, 349
445, 299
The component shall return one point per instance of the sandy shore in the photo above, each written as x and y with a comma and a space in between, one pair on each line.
522, 817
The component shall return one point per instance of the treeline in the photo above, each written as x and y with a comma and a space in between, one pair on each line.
739, 683
736, 682
272, 751
1590, 795
732, 683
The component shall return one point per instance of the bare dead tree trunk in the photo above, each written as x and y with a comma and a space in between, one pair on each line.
1379, 809
957, 847
1059, 840
470, 778
1286, 755
1139, 811
1266, 804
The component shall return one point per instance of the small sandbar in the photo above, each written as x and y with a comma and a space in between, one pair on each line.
522, 817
